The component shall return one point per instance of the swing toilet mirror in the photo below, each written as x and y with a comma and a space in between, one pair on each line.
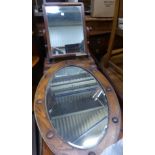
65, 29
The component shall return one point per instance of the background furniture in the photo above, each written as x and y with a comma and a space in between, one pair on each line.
112, 62
110, 51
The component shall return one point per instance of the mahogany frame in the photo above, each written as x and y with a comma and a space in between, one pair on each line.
49, 133
85, 52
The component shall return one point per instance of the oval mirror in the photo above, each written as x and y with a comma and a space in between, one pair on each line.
77, 107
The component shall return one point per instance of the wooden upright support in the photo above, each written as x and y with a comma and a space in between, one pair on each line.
107, 57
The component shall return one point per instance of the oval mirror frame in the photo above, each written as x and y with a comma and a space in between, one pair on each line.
56, 144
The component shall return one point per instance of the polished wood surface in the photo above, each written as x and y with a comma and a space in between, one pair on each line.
118, 69
35, 60
45, 149
89, 18
97, 27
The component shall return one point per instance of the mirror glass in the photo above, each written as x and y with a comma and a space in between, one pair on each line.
65, 27
77, 107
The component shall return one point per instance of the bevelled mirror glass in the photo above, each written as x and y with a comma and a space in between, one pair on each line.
65, 29
77, 107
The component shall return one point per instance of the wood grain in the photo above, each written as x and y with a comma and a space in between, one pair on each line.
46, 150
35, 60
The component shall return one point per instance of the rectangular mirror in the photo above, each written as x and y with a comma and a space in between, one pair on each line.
65, 29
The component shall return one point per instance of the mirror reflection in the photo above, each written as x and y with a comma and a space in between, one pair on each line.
65, 28
77, 107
